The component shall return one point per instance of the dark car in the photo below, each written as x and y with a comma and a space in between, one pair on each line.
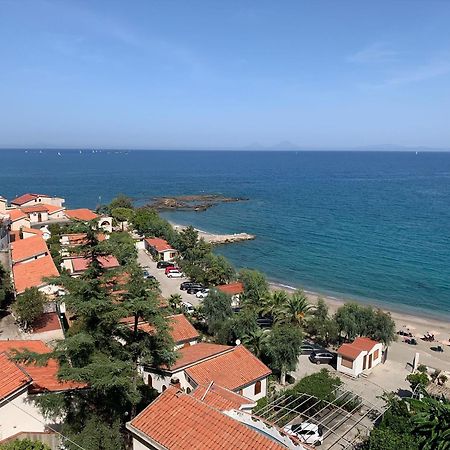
322, 357
163, 264
264, 322
308, 347
195, 289
186, 285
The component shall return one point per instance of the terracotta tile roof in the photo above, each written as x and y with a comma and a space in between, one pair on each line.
28, 248
180, 328
221, 398
47, 322
82, 214
80, 264
178, 421
16, 214
31, 231
80, 238
231, 370
25, 198
44, 377
232, 288
198, 352
41, 207
359, 345
12, 377
31, 274
160, 245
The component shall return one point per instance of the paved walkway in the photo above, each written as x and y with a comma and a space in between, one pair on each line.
167, 285
8, 327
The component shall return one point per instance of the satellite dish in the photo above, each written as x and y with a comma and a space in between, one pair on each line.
238, 342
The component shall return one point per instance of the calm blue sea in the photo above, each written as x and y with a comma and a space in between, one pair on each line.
368, 225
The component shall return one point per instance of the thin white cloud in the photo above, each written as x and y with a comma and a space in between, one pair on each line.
378, 52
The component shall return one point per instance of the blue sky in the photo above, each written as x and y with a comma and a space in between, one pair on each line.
164, 74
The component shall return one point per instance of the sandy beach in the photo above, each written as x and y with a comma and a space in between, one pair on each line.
417, 325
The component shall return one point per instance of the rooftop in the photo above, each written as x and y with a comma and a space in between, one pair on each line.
160, 245
232, 288
178, 421
232, 370
359, 345
25, 198
12, 377
28, 248
195, 353
32, 274
44, 377
82, 214
41, 207
220, 398
16, 214
80, 263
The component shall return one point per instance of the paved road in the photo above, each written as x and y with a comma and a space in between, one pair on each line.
168, 286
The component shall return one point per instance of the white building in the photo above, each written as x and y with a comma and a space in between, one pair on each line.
160, 249
361, 356
42, 212
35, 199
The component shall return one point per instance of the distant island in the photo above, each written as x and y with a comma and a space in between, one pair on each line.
200, 202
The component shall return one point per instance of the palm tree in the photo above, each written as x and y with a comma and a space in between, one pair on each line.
175, 300
256, 341
296, 308
431, 420
274, 303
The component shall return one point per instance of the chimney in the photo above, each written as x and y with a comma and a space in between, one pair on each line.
175, 382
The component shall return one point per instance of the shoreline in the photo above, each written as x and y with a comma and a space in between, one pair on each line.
217, 238
419, 322
419, 325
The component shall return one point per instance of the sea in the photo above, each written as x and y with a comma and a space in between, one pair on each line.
372, 226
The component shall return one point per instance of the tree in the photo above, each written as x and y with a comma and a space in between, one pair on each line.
321, 326
255, 286
273, 304
256, 341
382, 327
24, 444
148, 222
283, 349
121, 201
418, 381
6, 291
322, 385
217, 310
296, 308
122, 214
175, 300
29, 306
122, 246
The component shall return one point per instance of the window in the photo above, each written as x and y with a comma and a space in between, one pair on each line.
149, 381
164, 387
257, 387
375, 354
347, 362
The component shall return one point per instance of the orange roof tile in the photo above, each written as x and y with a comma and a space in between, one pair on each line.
16, 214
198, 352
31, 231
41, 207
12, 377
80, 238
180, 328
25, 198
160, 245
359, 345
178, 421
231, 370
31, 274
44, 377
82, 214
232, 288
221, 398
28, 248
80, 263
47, 322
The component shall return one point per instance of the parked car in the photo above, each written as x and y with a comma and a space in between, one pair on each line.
308, 347
146, 274
202, 294
163, 264
172, 267
174, 273
190, 284
321, 357
195, 289
307, 432
187, 307
264, 322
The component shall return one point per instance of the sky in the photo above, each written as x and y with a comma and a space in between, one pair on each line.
224, 74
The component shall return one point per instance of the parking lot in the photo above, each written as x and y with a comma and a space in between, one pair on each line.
344, 419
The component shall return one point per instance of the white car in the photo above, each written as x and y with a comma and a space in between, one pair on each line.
307, 432
202, 294
187, 307
174, 274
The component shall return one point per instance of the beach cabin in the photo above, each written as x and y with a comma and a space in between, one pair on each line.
234, 290
359, 357
160, 249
